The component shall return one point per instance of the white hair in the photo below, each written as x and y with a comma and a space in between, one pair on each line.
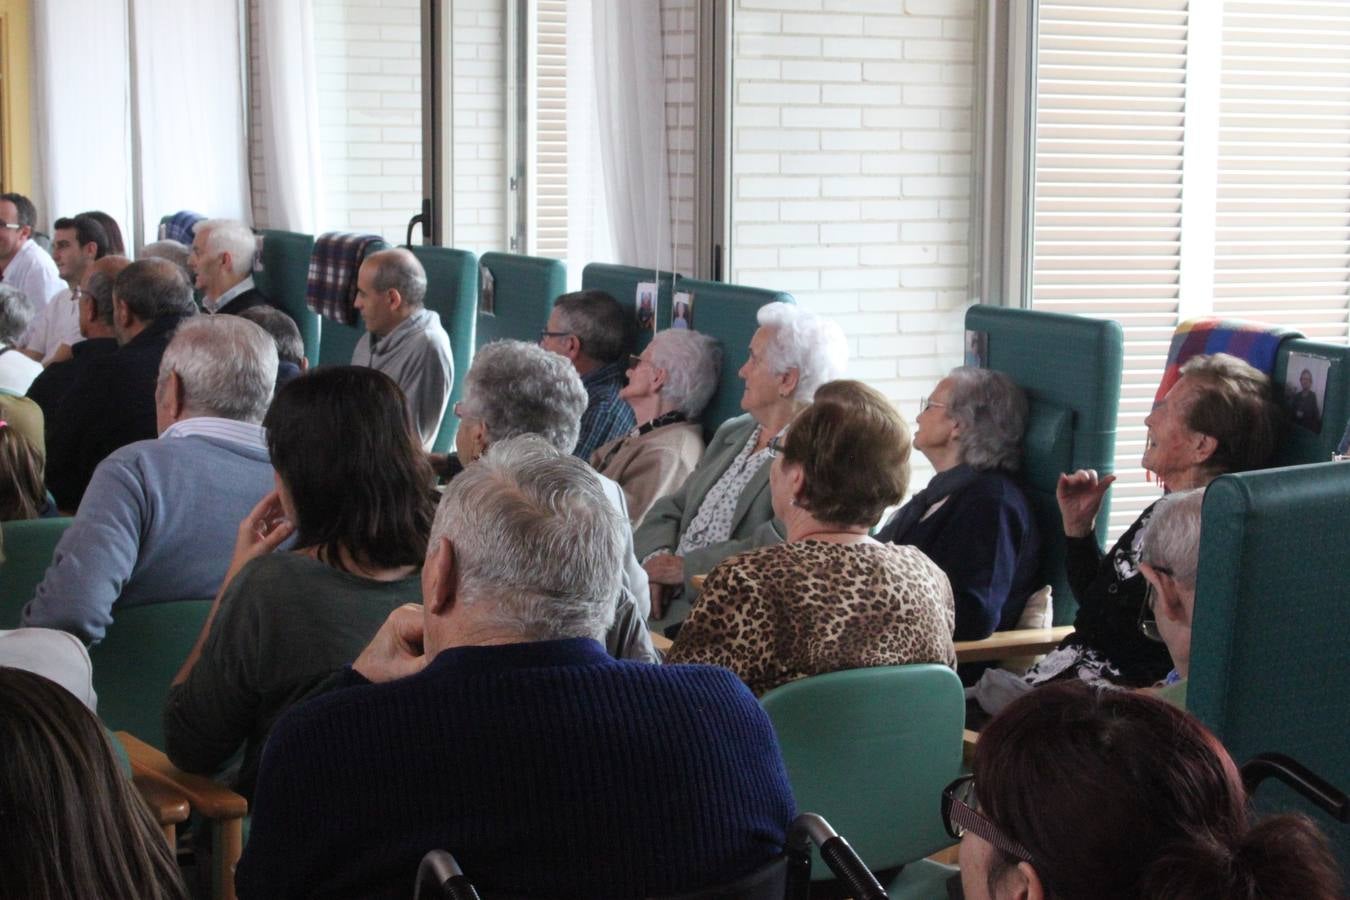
16, 311
518, 388
1171, 538
691, 361
233, 237
227, 365
992, 412
811, 344
536, 541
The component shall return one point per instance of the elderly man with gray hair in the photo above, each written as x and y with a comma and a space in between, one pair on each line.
403, 338
17, 370
159, 518
221, 262
489, 720
1169, 558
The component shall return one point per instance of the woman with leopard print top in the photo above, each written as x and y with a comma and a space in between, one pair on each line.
831, 597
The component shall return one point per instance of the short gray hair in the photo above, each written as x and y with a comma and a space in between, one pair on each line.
518, 388
535, 538
811, 344
598, 321
1171, 538
992, 412
233, 237
398, 269
227, 365
175, 252
16, 311
152, 288
692, 362
285, 333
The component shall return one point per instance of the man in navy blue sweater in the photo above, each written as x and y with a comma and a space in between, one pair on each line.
490, 722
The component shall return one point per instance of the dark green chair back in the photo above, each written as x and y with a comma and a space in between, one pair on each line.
524, 288
284, 276
1298, 445
452, 292
28, 547
727, 312
133, 665
337, 342
621, 283
871, 751
1070, 367
1269, 668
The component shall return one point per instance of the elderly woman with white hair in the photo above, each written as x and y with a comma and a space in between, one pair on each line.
973, 519
515, 388
725, 507
668, 387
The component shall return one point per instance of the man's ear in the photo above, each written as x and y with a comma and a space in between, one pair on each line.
395, 299
173, 396
121, 313
438, 577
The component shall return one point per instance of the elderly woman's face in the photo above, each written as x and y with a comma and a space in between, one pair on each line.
936, 427
641, 378
762, 384
1172, 451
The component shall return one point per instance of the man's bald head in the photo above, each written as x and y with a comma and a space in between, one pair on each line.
398, 270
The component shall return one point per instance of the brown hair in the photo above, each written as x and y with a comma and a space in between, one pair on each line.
77, 826
1119, 795
22, 491
854, 449
1237, 408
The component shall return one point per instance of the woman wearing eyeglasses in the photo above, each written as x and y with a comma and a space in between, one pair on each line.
831, 597
973, 519
668, 387
1113, 795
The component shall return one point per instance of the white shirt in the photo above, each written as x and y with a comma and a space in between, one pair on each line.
17, 372
58, 323
33, 271
213, 306
247, 433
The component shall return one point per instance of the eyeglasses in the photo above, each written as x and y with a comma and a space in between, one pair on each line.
634, 360
777, 445
929, 401
13, 226
545, 333
959, 815
1148, 616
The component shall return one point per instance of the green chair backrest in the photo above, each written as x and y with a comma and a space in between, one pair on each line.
337, 342
871, 751
524, 288
28, 547
1299, 445
283, 279
1269, 668
133, 665
1074, 391
727, 312
621, 283
452, 292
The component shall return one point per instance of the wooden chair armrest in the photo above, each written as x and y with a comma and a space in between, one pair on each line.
697, 582
968, 739
212, 800
167, 805
1002, 644
661, 642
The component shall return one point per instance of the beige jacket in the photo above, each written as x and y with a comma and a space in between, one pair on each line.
651, 465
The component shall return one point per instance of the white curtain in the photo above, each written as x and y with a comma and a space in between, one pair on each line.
290, 114
630, 80
82, 96
189, 109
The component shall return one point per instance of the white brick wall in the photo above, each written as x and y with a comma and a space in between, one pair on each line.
679, 38
851, 146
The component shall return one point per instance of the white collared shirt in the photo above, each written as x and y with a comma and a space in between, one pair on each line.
231, 430
241, 287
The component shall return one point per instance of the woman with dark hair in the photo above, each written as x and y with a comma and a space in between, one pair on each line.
116, 246
831, 597
23, 494
353, 485
76, 826
1116, 795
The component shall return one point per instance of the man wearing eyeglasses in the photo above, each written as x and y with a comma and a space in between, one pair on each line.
26, 265
76, 244
591, 329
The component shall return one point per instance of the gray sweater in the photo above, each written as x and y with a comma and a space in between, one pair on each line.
416, 355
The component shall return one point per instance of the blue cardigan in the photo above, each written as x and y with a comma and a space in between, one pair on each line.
549, 769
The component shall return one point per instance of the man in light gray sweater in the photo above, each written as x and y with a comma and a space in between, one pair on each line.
403, 338
159, 519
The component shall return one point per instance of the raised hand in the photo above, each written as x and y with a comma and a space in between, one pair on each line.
260, 532
1080, 497
396, 650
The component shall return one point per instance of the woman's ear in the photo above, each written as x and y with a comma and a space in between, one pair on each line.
478, 438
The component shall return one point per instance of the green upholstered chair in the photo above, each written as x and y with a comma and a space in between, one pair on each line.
452, 292
1298, 445
727, 312
871, 751
524, 288
283, 279
1269, 668
1075, 394
621, 283
28, 547
337, 342
133, 665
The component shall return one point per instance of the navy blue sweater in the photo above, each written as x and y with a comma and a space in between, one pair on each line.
549, 769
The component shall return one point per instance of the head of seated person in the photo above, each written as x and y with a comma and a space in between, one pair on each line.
146, 291
515, 388
1169, 559
676, 373
1220, 416
95, 296
974, 417
1116, 794
366, 510
175, 252
221, 256
792, 353
391, 287
222, 367
85, 832
589, 328
116, 245
290, 346
16, 311
23, 493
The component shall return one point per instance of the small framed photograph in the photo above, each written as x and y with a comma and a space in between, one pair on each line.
1305, 389
487, 292
977, 349
644, 304
682, 311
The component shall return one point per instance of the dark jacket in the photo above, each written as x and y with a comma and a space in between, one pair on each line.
49, 388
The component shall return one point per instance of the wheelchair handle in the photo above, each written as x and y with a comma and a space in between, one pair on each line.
1316, 789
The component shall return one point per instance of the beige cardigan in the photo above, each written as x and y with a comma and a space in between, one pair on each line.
652, 465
